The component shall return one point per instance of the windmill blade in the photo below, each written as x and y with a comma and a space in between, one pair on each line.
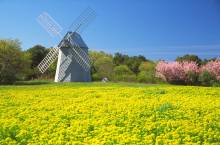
80, 58
80, 55
83, 20
49, 24
48, 60
64, 67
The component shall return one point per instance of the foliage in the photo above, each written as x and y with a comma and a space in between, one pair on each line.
205, 61
96, 77
102, 65
122, 70
177, 72
213, 67
123, 73
206, 78
37, 54
13, 62
120, 59
147, 66
50, 73
125, 78
189, 73
192, 78
147, 72
132, 62
18, 65
103, 113
189, 58
146, 77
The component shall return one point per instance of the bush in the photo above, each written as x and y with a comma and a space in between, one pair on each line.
123, 73
125, 78
216, 84
147, 66
102, 65
147, 72
207, 79
192, 78
146, 77
96, 77
13, 62
122, 70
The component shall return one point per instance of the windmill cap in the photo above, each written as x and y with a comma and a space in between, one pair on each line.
77, 39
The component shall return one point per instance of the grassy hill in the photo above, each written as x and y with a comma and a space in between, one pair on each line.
108, 113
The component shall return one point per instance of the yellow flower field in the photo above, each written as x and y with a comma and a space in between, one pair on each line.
108, 114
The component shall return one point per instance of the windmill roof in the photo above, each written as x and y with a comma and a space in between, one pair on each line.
78, 40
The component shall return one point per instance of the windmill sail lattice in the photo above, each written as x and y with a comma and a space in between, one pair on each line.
80, 55
83, 20
76, 52
48, 60
49, 24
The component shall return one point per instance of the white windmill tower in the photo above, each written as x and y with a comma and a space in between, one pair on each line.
73, 63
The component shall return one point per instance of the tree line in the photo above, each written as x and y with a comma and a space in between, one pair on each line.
21, 65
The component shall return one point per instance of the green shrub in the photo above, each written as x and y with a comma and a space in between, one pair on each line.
125, 78
101, 65
13, 62
216, 84
96, 77
146, 77
192, 78
147, 66
206, 79
123, 73
122, 70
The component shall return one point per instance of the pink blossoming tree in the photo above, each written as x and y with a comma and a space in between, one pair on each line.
213, 67
176, 72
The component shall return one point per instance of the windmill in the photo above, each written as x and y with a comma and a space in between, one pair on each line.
73, 64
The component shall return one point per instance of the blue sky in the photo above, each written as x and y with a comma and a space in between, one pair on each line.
157, 29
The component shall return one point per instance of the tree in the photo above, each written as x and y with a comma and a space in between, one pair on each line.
205, 61
213, 67
146, 77
147, 72
123, 73
206, 78
147, 66
122, 70
13, 62
104, 67
120, 59
177, 72
132, 62
36, 53
189, 58
101, 65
